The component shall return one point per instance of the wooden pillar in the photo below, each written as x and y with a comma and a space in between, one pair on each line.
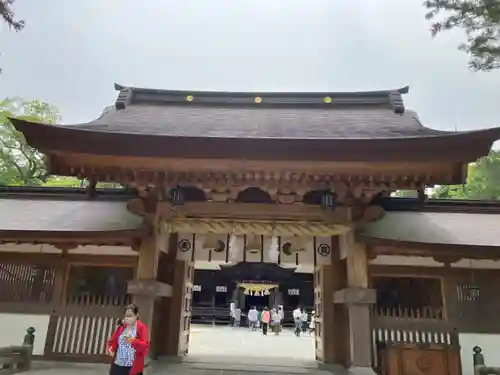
324, 320
147, 289
177, 314
358, 298
147, 266
330, 321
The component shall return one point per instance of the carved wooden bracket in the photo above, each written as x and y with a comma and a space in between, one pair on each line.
367, 213
65, 247
136, 206
447, 259
143, 206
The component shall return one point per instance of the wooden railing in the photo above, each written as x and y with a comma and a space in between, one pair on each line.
427, 313
479, 366
14, 359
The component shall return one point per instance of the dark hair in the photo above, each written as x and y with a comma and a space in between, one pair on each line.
132, 308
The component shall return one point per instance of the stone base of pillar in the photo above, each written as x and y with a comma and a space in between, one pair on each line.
360, 371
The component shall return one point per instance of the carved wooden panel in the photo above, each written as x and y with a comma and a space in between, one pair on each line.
417, 360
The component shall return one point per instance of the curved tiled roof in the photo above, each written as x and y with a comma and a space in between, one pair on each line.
348, 115
356, 126
284, 123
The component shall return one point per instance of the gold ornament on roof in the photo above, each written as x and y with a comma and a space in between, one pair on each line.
190, 98
257, 100
327, 99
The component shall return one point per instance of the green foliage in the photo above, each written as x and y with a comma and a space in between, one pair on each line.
480, 19
7, 15
19, 163
483, 182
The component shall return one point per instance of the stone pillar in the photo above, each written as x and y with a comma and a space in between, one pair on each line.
358, 298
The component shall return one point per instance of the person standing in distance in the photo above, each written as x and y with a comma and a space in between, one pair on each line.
128, 345
297, 318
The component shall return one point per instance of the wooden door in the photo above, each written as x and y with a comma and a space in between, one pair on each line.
323, 307
184, 281
411, 359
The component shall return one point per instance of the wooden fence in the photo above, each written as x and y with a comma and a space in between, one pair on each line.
80, 329
81, 320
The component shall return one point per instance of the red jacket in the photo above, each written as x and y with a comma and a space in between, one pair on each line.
140, 344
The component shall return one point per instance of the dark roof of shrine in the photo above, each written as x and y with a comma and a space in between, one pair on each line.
370, 115
436, 228
349, 126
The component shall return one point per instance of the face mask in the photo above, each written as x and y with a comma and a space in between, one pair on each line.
129, 321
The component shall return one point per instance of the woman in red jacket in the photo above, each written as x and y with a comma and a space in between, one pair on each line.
129, 344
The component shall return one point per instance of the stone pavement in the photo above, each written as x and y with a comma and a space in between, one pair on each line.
222, 350
240, 342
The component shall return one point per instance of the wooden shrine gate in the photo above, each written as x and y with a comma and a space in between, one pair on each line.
419, 347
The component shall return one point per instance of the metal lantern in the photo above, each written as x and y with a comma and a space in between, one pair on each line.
176, 196
329, 200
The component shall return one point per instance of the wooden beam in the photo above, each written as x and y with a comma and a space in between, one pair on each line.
440, 251
254, 211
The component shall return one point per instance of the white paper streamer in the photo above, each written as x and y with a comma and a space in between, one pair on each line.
274, 250
234, 249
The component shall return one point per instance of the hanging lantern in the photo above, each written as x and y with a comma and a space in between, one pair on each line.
246, 292
274, 249
266, 292
253, 243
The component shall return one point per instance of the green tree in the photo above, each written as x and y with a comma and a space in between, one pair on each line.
483, 182
19, 163
480, 19
8, 15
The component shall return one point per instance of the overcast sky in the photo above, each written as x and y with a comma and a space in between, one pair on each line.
71, 53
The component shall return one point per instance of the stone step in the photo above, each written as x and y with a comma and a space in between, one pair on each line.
231, 365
